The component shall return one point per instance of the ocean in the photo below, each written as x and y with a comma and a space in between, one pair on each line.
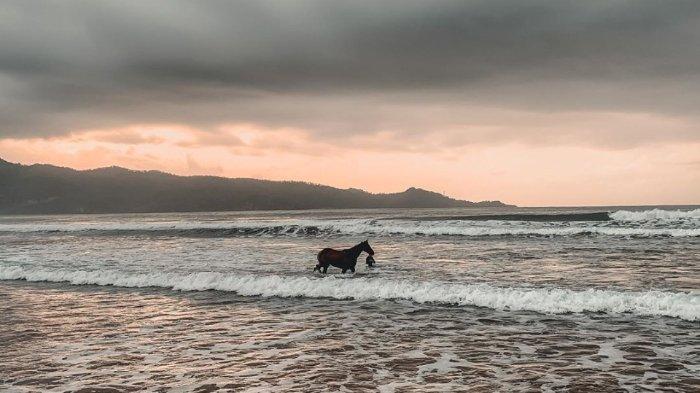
480, 300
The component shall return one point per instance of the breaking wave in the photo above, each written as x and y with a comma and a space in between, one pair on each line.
369, 227
544, 300
647, 223
655, 215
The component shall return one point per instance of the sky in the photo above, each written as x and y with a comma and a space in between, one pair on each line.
537, 103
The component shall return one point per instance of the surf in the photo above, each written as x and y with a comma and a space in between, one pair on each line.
621, 223
655, 215
547, 300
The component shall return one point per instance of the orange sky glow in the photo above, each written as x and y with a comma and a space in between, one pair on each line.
522, 173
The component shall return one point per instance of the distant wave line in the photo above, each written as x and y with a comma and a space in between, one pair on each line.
595, 216
648, 223
368, 228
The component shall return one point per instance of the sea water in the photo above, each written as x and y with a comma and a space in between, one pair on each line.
460, 299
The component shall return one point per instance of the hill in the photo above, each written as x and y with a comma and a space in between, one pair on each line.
48, 189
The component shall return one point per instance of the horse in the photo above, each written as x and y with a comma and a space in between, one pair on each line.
344, 259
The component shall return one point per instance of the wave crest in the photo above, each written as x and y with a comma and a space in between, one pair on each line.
544, 300
358, 227
655, 215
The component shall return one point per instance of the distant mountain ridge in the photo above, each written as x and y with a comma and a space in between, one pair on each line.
48, 189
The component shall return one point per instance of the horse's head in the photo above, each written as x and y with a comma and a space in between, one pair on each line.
370, 261
366, 247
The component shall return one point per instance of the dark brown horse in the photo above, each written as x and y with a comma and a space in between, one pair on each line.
344, 259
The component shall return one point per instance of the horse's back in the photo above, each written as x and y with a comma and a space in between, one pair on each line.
329, 253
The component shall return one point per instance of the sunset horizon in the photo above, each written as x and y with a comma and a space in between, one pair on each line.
390, 191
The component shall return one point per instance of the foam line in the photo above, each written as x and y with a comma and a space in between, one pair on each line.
354, 227
545, 300
655, 215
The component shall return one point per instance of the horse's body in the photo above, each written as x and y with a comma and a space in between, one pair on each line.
343, 259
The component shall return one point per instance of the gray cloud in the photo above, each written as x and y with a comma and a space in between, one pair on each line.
343, 67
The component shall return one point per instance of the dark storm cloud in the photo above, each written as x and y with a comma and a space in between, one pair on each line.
338, 67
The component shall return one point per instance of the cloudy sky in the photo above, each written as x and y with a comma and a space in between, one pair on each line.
533, 103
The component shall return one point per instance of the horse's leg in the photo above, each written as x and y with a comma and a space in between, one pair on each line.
352, 270
325, 269
317, 268
345, 270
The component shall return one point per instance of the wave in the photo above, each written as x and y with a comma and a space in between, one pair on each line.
593, 216
356, 228
456, 229
655, 215
647, 223
544, 300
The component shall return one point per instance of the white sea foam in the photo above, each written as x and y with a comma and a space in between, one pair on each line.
367, 227
137, 225
497, 228
655, 215
545, 300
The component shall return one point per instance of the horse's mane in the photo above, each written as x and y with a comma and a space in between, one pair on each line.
356, 249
